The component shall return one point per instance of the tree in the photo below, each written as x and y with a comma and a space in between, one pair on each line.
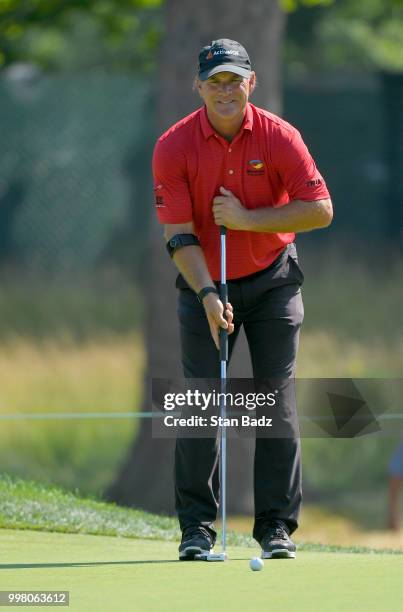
355, 36
349, 34
146, 477
78, 35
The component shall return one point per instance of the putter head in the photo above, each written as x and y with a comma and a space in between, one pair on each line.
211, 556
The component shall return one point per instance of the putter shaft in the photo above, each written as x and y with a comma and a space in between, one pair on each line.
223, 363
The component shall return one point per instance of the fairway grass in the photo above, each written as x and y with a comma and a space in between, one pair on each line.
108, 573
122, 559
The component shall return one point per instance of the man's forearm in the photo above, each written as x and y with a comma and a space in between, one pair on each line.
192, 265
297, 216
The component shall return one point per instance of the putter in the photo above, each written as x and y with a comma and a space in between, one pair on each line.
223, 334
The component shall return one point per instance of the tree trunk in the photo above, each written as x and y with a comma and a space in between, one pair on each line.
392, 87
146, 477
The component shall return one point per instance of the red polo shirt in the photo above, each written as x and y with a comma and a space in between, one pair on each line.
266, 164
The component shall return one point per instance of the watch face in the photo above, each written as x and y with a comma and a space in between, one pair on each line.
173, 242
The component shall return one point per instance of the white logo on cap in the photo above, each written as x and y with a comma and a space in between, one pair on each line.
225, 52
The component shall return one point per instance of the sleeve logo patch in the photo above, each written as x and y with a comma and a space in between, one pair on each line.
159, 201
314, 183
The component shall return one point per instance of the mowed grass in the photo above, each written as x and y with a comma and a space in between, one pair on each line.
49, 548
37, 506
31, 505
107, 573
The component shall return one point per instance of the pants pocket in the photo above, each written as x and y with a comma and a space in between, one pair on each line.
296, 269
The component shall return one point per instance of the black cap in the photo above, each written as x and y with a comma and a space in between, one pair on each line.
223, 55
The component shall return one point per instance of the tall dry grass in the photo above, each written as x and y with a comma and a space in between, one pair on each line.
61, 376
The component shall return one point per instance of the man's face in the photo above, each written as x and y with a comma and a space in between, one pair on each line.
225, 94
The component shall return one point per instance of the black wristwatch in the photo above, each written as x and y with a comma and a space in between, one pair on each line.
206, 290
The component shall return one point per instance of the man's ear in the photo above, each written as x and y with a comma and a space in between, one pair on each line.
252, 82
197, 85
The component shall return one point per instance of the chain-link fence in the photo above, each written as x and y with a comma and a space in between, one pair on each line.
73, 151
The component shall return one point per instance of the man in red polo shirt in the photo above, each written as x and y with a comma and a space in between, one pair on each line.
233, 164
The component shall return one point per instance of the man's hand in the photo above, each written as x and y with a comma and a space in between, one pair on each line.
228, 211
214, 311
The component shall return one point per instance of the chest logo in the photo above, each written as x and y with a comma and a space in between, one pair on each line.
255, 167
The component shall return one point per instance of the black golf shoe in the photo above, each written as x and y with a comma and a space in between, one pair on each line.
276, 543
195, 541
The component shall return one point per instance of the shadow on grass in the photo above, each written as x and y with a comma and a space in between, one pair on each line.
5, 566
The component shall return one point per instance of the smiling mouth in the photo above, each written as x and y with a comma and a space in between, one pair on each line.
227, 102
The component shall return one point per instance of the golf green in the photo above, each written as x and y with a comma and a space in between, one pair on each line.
119, 574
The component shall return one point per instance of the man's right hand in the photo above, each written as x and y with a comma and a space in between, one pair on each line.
214, 311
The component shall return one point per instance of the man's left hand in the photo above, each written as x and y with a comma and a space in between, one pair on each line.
228, 211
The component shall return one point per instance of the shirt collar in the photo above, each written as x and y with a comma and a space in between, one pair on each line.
208, 129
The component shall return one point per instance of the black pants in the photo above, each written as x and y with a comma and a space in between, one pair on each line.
269, 306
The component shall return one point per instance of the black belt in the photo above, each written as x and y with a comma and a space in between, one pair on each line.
182, 284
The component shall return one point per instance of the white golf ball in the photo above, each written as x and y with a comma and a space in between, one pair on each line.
256, 564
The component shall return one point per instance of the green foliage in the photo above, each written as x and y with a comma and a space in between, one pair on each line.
348, 34
291, 5
124, 35
371, 43
56, 34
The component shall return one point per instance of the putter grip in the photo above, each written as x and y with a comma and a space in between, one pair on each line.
223, 333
